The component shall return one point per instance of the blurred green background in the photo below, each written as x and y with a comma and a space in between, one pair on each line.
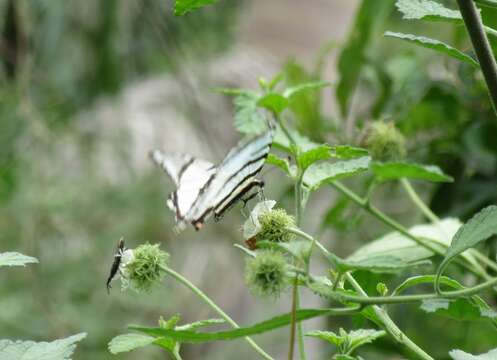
87, 88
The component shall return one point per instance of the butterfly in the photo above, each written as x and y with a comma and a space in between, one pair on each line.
116, 263
204, 189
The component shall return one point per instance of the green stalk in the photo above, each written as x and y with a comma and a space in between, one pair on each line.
435, 248
388, 323
216, 308
476, 31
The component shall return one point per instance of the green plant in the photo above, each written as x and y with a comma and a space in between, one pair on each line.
312, 166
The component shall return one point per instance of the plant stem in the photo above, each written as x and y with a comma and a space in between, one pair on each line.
390, 326
434, 247
474, 25
413, 195
216, 308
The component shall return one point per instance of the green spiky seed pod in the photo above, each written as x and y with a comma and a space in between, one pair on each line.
384, 141
145, 267
274, 226
266, 274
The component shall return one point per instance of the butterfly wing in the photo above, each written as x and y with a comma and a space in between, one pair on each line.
233, 178
190, 176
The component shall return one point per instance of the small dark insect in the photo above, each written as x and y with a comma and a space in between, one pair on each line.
117, 261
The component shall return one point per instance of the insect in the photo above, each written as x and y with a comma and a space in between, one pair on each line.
204, 189
116, 263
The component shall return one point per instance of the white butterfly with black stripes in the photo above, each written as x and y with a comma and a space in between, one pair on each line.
204, 189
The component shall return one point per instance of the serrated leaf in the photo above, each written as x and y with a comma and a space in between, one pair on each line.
381, 264
248, 119
309, 157
295, 90
16, 259
283, 164
348, 152
363, 336
461, 355
434, 44
348, 342
273, 102
477, 229
354, 55
181, 7
321, 173
397, 170
61, 349
259, 328
427, 10
328, 336
128, 342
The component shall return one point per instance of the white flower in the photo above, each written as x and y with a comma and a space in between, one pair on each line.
252, 226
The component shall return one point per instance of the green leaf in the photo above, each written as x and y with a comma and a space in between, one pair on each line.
382, 264
309, 157
321, 173
461, 355
479, 228
328, 336
397, 170
427, 10
283, 164
61, 349
268, 325
282, 142
298, 89
128, 342
354, 55
273, 102
181, 7
473, 308
434, 44
16, 259
248, 119
348, 152
348, 342
200, 324
458, 309
362, 337
400, 246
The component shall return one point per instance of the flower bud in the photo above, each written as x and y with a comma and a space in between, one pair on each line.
274, 226
144, 267
384, 141
266, 274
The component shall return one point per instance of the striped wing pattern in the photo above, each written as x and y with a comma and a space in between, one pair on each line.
203, 189
189, 175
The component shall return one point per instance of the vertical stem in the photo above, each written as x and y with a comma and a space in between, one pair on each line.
216, 308
474, 25
296, 328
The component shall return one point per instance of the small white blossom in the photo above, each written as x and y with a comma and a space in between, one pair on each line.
252, 226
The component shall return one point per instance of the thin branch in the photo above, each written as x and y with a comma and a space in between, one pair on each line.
474, 25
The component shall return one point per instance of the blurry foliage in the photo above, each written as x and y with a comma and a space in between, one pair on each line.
59, 57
